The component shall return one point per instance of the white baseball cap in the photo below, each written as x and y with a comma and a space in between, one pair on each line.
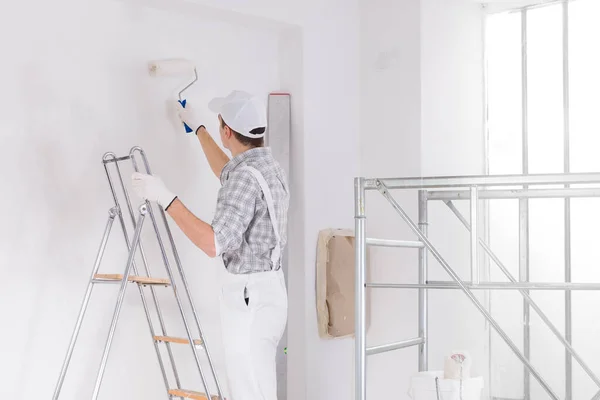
242, 112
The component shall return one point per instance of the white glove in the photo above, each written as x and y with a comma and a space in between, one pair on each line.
152, 188
188, 117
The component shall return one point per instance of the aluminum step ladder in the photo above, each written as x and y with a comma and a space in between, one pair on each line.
131, 274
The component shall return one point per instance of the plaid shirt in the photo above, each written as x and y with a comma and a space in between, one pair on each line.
244, 234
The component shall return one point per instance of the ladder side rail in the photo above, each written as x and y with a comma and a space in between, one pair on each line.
120, 298
85, 302
183, 280
175, 291
161, 321
112, 156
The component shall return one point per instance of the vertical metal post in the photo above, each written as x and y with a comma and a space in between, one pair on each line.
423, 294
360, 280
84, 304
121, 296
486, 171
524, 206
524, 277
567, 169
524, 93
474, 236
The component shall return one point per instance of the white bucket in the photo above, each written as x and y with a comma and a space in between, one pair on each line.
423, 387
457, 365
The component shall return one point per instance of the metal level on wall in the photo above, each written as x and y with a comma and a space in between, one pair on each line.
447, 189
278, 138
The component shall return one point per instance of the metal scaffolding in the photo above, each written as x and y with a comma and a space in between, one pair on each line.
473, 189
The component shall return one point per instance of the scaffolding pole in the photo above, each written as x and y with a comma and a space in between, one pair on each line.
471, 188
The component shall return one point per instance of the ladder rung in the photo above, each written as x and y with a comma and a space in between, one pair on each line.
132, 278
189, 394
171, 339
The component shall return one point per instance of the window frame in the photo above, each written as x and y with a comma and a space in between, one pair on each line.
491, 9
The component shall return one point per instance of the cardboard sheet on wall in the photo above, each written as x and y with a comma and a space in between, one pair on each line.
335, 283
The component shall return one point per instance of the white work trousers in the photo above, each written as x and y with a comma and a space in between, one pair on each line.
252, 332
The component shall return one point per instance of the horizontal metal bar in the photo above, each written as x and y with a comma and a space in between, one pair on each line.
395, 243
113, 282
394, 346
110, 160
515, 194
489, 286
530, 285
506, 398
483, 180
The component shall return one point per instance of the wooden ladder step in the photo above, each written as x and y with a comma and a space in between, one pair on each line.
144, 280
189, 394
171, 339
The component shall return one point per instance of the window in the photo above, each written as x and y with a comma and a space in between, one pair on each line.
543, 94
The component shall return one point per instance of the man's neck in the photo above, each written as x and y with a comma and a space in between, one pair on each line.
239, 150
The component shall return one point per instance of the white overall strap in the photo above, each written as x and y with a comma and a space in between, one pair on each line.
276, 254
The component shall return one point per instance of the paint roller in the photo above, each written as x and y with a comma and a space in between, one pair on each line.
175, 67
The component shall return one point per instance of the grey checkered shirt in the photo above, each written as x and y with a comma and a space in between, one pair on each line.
242, 226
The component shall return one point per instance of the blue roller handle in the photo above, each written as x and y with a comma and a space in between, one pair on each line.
187, 128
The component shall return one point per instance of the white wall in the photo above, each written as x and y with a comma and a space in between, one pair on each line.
452, 143
390, 145
331, 127
103, 48
79, 80
422, 109
74, 86
324, 163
